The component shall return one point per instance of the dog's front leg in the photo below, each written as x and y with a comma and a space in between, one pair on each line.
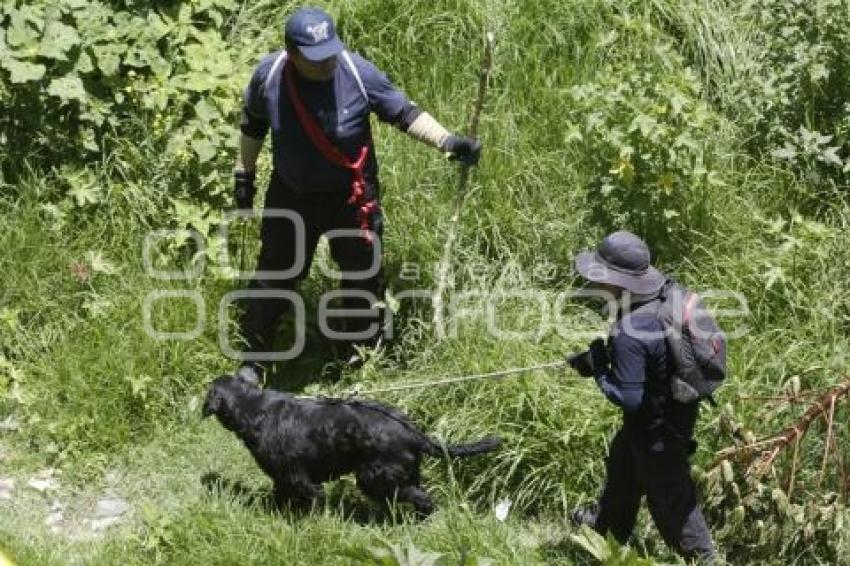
298, 491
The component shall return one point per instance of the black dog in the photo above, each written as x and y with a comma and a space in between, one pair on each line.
301, 443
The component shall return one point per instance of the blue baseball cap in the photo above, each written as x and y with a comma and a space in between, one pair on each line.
313, 31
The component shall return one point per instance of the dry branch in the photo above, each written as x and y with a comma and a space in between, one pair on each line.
763, 453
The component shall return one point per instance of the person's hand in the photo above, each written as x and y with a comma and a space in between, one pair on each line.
599, 357
581, 363
243, 188
467, 150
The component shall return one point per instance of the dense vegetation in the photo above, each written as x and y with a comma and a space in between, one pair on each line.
719, 130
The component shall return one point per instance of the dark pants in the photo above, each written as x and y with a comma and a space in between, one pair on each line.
662, 473
320, 213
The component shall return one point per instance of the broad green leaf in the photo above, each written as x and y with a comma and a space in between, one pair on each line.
23, 31
646, 124
220, 65
100, 264
819, 72
96, 111
195, 82
686, 140
159, 66
69, 87
156, 99
84, 63
137, 56
830, 156
216, 17
204, 149
88, 140
592, 542
76, 4
22, 71
58, 39
677, 103
667, 182
156, 27
85, 194
196, 56
108, 57
788, 153
206, 112
24, 40
192, 215
209, 55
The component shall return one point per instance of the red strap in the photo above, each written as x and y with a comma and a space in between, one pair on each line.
365, 207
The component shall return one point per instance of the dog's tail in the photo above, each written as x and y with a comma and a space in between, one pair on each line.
486, 444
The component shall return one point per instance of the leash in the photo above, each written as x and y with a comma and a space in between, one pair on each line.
353, 393
242, 238
460, 197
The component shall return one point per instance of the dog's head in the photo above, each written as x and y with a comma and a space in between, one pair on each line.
223, 397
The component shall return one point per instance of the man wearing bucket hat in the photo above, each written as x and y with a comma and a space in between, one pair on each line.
316, 98
649, 454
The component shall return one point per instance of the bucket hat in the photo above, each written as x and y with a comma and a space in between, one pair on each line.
621, 259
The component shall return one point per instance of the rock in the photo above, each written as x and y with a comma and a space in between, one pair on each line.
7, 487
108, 512
111, 507
98, 525
54, 520
43, 481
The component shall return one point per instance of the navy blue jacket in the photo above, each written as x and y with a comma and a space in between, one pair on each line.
337, 105
637, 380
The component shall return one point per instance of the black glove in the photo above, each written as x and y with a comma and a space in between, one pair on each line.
467, 150
243, 188
599, 357
581, 363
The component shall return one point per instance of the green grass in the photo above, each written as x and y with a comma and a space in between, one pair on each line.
115, 409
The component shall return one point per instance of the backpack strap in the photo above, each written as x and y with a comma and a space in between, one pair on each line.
350, 62
274, 72
271, 86
271, 89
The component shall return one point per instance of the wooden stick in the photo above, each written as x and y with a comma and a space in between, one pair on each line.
828, 442
460, 196
842, 471
795, 461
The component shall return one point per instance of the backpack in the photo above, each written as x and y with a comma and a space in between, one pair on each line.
695, 344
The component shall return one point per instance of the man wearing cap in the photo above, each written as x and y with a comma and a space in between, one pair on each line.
316, 97
649, 454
